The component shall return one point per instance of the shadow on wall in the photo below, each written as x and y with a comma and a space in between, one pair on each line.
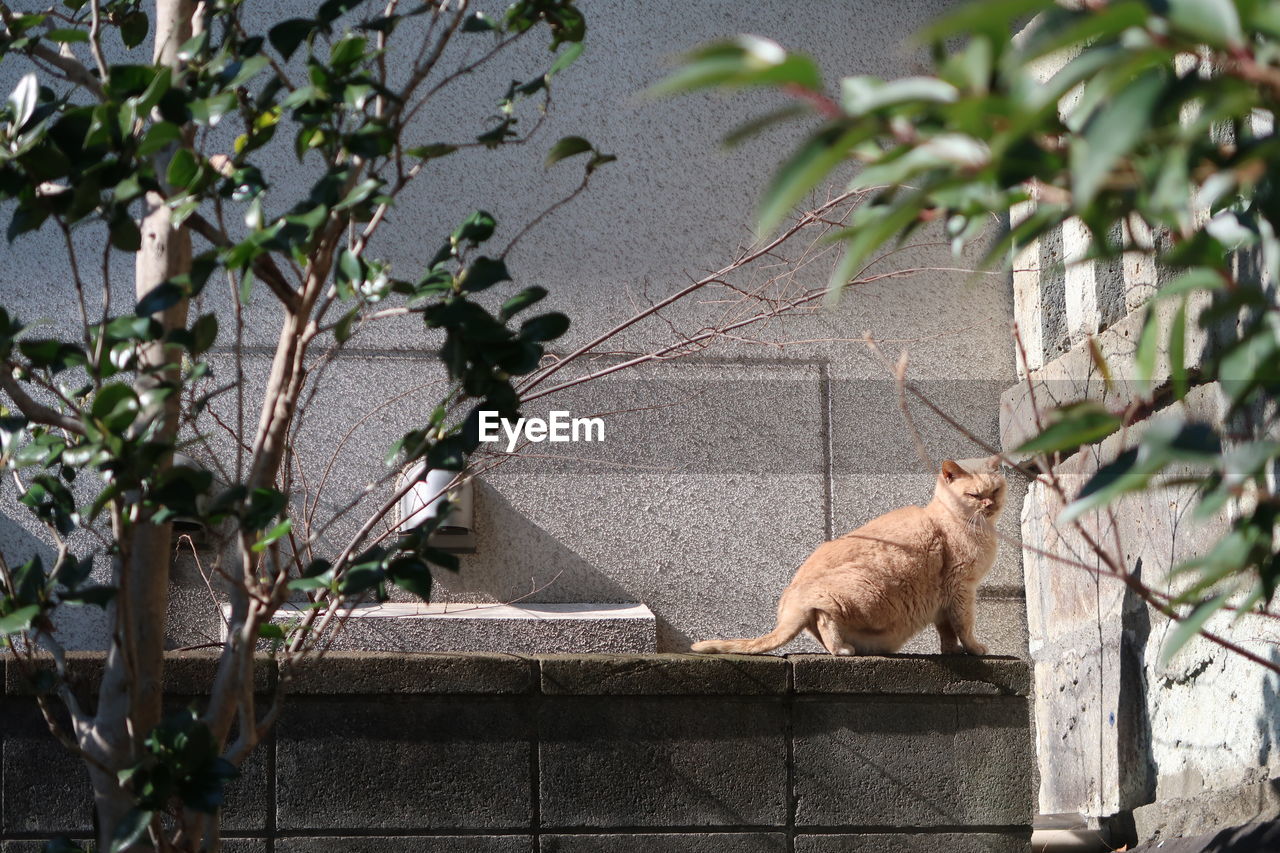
1269, 718
519, 561
1136, 762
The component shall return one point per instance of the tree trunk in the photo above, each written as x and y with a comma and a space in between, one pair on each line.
130, 698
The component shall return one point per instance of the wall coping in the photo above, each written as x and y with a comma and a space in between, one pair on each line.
381, 673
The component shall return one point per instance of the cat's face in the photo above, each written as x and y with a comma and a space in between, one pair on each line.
979, 490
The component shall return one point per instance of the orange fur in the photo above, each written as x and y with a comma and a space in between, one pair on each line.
873, 589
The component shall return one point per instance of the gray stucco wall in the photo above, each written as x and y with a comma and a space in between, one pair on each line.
743, 460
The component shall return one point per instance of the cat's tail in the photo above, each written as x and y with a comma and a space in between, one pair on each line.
789, 625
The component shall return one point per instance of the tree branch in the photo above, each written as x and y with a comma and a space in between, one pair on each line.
33, 411
263, 266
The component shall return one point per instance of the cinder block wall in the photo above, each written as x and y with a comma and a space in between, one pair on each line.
584, 754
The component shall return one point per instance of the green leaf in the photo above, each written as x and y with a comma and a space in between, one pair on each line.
566, 58
347, 52
745, 61
814, 160
158, 135
360, 579
22, 103
66, 36
273, 535
411, 574
475, 229
270, 631
161, 297
19, 620
1082, 423
1214, 22
1111, 133
1190, 625
115, 406
360, 193
484, 273
133, 826
521, 301
1121, 475
977, 16
133, 28
544, 327
209, 111
861, 95
123, 231
204, 333
569, 146
430, 152
287, 35
1144, 359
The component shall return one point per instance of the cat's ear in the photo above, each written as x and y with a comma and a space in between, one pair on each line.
951, 471
994, 463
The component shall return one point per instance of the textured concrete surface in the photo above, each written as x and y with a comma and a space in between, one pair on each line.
1184, 816
373, 673
900, 674
662, 762
589, 675
952, 842
912, 763
1243, 839
489, 753
1123, 729
529, 628
430, 763
413, 844
738, 842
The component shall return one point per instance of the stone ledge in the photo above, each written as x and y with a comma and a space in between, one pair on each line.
946, 675
185, 673
373, 673
663, 674
346, 673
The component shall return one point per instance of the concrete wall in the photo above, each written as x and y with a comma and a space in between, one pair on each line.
501, 753
1166, 749
703, 503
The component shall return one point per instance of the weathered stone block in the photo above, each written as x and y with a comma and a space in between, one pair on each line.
951, 842
409, 844
911, 674
717, 842
585, 675
403, 763
913, 763
373, 673
1075, 376
662, 762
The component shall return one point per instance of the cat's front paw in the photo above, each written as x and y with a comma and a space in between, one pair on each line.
973, 647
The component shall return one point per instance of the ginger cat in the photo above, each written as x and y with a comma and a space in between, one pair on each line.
873, 589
